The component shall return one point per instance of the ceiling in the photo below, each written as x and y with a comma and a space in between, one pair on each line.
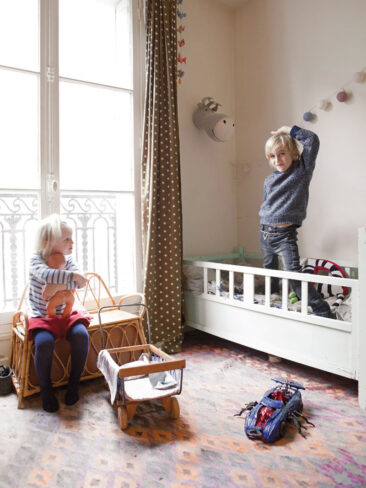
233, 3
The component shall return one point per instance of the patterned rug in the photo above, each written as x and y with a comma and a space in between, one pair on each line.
83, 447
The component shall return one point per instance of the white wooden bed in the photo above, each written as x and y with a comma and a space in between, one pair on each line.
332, 345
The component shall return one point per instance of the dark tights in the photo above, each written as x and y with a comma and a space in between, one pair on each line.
44, 345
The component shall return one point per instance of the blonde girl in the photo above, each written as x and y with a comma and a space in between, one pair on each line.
55, 236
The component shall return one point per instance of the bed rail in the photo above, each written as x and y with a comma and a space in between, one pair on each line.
249, 273
240, 256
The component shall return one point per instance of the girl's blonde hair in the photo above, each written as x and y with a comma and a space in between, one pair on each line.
48, 231
281, 140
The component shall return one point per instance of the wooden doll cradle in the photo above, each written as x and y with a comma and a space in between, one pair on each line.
134, 386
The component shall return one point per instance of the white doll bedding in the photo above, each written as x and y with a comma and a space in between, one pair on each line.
139, 387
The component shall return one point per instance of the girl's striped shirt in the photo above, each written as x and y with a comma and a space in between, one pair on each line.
41, 274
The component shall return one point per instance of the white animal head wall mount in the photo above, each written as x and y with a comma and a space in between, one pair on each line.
218, 127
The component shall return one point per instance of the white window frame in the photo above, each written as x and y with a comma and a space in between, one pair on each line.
49, 126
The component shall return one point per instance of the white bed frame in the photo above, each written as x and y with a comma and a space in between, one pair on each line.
331, 345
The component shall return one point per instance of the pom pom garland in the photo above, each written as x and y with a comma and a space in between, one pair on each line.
342, 96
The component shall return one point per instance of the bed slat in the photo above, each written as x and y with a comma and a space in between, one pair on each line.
231, 285
304, 297
284, 294
248, 288
218, 282
267, 291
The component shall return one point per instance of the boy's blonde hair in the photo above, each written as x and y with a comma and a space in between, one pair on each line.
281, 140
48, 231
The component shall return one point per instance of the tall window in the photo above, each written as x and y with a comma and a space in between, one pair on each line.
67, 123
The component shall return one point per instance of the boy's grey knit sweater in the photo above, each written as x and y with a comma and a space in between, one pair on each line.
286, 194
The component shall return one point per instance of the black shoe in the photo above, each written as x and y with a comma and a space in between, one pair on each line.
327, 315
331, 315
72, 394
49, 401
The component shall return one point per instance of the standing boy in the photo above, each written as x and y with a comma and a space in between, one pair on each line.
286, 195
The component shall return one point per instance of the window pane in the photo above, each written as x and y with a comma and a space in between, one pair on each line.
19, 34
104, 235
19, 129
96, 41
18, 214
96, 138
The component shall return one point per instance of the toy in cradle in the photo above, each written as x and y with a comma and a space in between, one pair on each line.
57, 261
267, 420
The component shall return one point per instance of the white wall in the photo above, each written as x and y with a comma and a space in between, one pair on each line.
268, 62
208, 185
289, 55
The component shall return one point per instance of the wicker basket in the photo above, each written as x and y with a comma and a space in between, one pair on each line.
5, 380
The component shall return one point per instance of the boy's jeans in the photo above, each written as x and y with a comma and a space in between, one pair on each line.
282, 241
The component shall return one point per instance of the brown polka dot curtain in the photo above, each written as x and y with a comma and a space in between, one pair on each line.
161, 182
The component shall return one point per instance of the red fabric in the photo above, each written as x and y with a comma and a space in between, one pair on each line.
59, 325
328, 270
318, 268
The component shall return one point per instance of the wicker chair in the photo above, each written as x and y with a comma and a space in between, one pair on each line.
112, 328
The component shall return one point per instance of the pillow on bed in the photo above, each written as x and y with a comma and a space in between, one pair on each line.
313, 266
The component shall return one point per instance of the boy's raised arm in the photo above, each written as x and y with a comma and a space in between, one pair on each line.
310, 142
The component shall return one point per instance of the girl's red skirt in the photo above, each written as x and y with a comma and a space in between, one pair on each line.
59, 325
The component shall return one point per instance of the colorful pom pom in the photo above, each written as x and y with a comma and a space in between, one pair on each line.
324, 104
308, 116
359, 77
342, 96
